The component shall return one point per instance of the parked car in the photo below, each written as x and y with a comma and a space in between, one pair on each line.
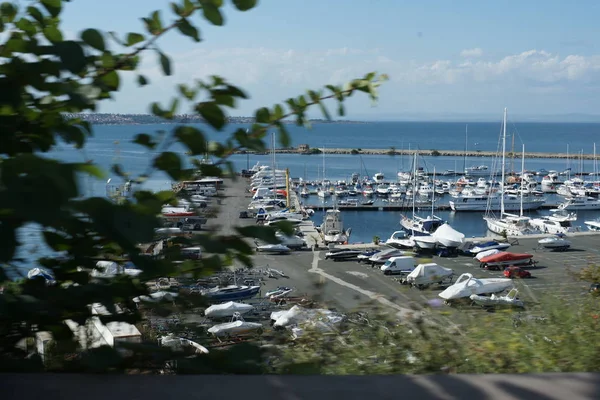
516, 272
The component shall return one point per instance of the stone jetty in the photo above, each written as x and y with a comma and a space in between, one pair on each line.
433, 153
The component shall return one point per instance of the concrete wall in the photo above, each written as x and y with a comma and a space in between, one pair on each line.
479, 387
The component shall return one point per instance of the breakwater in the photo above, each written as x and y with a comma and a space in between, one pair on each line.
432, 153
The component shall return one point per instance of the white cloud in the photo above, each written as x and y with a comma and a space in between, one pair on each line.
471, 53
272, 75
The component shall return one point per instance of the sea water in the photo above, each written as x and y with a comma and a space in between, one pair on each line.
112, 144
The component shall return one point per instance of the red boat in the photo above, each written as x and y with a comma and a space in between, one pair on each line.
506, 258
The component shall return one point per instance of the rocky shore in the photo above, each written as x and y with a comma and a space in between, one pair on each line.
434, 153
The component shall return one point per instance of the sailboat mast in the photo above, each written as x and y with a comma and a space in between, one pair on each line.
466, 141
414, 188
274, 170
522, 180
503, 163
433, 193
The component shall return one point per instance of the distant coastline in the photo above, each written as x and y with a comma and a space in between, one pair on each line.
149, 119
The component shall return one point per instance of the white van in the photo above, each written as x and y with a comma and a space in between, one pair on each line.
398, 265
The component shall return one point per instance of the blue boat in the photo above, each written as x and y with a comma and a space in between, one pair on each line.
231, 293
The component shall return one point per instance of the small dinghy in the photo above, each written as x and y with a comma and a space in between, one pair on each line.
491, 245
281, 291
510, 300
227, 309
556, 242
236, 327
342, 254
273, 248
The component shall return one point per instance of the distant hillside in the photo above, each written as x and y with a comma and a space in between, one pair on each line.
460, 117
146, 119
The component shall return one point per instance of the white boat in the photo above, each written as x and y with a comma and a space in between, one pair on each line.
236, 327
181, 344
400, 239
593, 225
557, 242
421, 226
466, 285
332, 228
273, 248
486, 253
491, 245
427, 274
447, 236
297, 315
580, 203
156, 297
280, 291
293, 242
425, 242
275, 220
550, 183
472, 201
558, 222
227, 309
505, 223
379, 178
509, 300
480, 170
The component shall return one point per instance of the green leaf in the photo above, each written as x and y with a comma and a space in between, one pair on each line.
244, 5
92, 170
8, 11
72, 56
170, 163
165, 63
111, 80
54, 7
187, 92
192, 138
284, 136
52, 33
263, 115
188, 29
145, 140
212, 114
264, 233
212, 14
93, 38
134, 38
142, 80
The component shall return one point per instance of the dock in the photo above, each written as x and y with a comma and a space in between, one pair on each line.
406, 207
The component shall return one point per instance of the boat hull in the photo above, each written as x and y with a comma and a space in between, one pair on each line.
494, 205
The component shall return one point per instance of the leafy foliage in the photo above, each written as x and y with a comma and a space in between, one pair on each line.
44, 80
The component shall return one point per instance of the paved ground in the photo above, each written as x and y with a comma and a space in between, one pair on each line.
350, 285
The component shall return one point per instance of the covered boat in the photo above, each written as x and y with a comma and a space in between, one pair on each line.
227, 309
342, 254
556, 242
231, 293
425, 242
467, 284
507, 258
426, 274
510, 300
297, 315
486, 253
491, 245
280, 291
447, 236
236, 327
156, 297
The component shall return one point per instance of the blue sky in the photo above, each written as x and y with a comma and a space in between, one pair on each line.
443, 57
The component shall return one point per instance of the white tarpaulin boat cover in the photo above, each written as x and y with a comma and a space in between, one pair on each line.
486, 253
156, 297
429, 270
227, 309
447, 235
297, 315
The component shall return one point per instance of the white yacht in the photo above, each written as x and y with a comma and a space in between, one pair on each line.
580, 203
593, 225
480, 170
556, 223
505, 223
378, 178
550, 183
472, 201
332, 228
